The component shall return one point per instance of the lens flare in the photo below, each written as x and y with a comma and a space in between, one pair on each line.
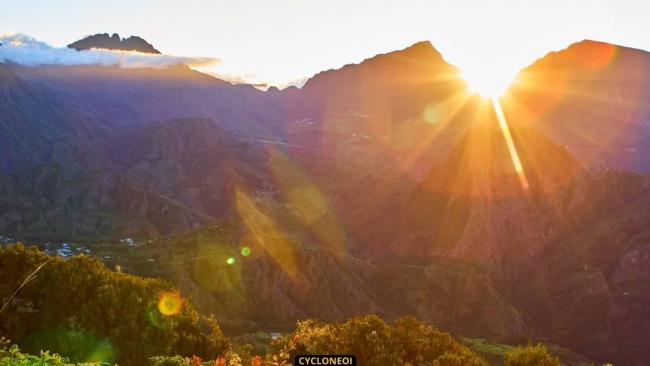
79, 345
156, 318
212, 268
103, 353
170, 303
512, 149
432, 113
269, 235
309, 204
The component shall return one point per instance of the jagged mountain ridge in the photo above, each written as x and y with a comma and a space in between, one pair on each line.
337, 164
113, 42
591, 97
390, 87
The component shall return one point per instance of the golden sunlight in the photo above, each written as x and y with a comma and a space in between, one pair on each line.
512, 149
486, 81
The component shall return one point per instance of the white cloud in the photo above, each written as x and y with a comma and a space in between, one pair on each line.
24, 50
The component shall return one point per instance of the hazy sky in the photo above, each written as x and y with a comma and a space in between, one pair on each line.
278, 41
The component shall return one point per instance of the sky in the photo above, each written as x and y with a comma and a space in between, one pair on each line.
283, 41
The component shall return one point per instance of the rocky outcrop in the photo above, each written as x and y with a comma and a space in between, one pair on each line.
114, 42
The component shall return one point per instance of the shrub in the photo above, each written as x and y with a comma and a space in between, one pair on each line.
530, 356
169, 361
77, 306
12, 356
374, 342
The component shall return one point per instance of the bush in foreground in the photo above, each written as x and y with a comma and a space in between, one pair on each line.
12, 356
408, 342
530, 355
79, 308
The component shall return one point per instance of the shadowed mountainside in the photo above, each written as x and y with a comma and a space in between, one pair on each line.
379, 187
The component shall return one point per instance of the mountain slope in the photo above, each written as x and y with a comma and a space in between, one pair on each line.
596, 273
388, 87
475, 204
49, 203
193, 160
79, 120
592, 97
379, 187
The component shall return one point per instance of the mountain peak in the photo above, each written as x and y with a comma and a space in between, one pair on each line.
423, 47
114, 42
590, 55
422, 51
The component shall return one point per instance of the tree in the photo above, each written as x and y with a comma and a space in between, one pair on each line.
530, 355
79, 306
373, 342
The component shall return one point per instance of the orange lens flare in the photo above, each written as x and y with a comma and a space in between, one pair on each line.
170, 303
308, 202
505, 129
267, 234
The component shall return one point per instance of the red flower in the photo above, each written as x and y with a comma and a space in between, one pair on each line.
196, 361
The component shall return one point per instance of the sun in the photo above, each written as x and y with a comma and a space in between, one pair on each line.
490, 83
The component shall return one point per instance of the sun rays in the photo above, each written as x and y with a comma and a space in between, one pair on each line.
491, 85
488, 120
487, 83
512, 149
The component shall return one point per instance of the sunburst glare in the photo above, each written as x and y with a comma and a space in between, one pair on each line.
512, 149
489, 83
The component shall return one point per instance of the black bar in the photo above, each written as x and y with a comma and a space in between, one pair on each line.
325, 360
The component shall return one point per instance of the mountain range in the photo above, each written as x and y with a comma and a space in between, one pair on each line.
380, 187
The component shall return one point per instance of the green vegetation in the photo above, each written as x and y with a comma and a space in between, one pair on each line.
169, 361
79, 308
83, 313
12, 356
530, 355
495, 353
408, 342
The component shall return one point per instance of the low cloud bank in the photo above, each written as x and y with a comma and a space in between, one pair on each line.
27, 51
